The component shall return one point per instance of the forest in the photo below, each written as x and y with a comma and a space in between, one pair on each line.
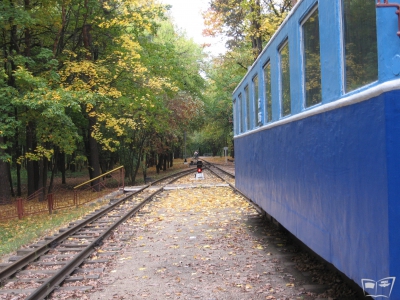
96, 84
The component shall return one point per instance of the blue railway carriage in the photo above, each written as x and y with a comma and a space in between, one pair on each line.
317, 135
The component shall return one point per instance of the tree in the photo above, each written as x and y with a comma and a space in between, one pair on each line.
112, 81
242, 21
247, 26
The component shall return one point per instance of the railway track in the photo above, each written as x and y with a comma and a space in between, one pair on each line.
74, 263
41, 268
76, 257
220, 172
305, 254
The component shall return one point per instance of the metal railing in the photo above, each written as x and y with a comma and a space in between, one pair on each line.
39, 202
396, 5
99, 186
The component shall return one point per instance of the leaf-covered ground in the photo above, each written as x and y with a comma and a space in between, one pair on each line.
202, 243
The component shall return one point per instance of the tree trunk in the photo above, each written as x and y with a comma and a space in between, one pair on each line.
152, 159
36, 174
53, 170
59, 40
94, 164
27, 31
61, 166
165, 158
18, 152
42, 177
4, 188
135, 171
30, 164
10, 179
94, 156
144, 167
159, 163
9, 153
256, 28
72, 163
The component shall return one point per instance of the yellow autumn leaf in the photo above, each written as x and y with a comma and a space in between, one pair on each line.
290, 284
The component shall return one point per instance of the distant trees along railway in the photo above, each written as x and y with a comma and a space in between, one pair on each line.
92, 82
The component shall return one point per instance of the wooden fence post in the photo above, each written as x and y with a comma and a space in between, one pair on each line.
76, 198
123, 178
50, 203
20, 209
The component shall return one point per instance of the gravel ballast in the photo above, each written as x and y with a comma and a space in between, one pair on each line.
209, 243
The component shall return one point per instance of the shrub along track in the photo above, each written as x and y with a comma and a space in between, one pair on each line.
44, 266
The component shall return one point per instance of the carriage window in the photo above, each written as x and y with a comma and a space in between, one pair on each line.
267, 92
237, 116
241, 115
246, 91
256, 102
312, 62
235, 119
285, 80
360, 44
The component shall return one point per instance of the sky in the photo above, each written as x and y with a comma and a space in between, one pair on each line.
187, 16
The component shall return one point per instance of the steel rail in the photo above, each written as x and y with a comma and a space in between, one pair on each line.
256, 206
222, 170
37, 252
184, 172
49, 285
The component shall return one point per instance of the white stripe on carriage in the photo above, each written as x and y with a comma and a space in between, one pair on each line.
347, 101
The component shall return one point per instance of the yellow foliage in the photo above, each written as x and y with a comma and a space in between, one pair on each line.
36, 155
89, 107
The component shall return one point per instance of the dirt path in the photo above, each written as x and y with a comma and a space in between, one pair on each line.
202, 244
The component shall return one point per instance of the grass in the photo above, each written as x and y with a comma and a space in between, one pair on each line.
16, 233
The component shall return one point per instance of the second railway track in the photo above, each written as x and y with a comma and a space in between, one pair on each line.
46, 265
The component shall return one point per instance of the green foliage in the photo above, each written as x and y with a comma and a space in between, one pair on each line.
250, 22
119, 66
118, 73
246, 26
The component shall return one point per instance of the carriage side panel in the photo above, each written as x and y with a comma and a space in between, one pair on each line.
325, 178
